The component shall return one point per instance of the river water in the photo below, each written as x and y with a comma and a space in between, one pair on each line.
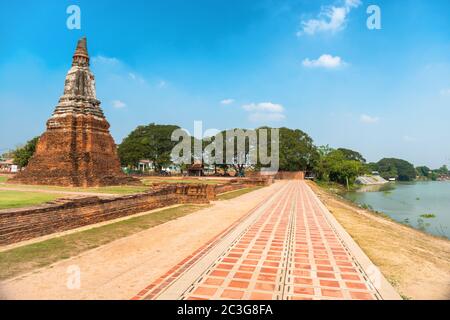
411, 203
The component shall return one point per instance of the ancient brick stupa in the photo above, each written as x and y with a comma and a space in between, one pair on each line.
77, 148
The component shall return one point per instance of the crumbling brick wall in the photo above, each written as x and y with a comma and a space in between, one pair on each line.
31, 222
290, 175
240, 183
27, 223
227, 187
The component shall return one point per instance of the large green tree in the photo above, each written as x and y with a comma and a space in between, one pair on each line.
152, 142
443, 170
335, 166
423, 171
352, 155
296, 150
241, 149
396, 168
22, 155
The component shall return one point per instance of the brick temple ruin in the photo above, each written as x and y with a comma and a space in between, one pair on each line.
77, 148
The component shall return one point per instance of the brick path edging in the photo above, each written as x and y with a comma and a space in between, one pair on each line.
385, 289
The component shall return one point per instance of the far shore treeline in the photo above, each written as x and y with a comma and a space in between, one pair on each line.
296, 150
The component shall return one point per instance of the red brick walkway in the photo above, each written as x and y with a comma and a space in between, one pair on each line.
287, 249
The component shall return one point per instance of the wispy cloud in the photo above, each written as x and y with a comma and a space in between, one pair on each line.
445, 92
330, 19
227, 101
162, 84
326, 61
105, 60
263, 106
133, 76
116, 67
369, 119
118, 104
265, 112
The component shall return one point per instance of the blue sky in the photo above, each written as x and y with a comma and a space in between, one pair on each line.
312, 65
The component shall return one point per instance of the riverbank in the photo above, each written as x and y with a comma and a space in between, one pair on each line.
423, 205
417, 264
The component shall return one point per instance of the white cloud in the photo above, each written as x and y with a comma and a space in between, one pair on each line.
445, 92
265, 112
368, 119
105, 60
352, 3
227, 101
118, 104
324, 61
330, 19
263, 106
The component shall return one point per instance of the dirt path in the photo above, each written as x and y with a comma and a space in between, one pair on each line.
416, 263
120, 269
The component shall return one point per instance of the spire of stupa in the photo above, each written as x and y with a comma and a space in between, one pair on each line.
79, 88
81, 56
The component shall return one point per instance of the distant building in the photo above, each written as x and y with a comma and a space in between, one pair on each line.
7, 165
370, 180
196, 170
172, 169
209, 170
145, 165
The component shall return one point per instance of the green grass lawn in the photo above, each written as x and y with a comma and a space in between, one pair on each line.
26, 258
17, 199
111, 189
149, 181
236, 193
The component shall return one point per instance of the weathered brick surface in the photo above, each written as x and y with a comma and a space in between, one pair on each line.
222, 188
287, 175
27, 223
66, 214
240, 183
